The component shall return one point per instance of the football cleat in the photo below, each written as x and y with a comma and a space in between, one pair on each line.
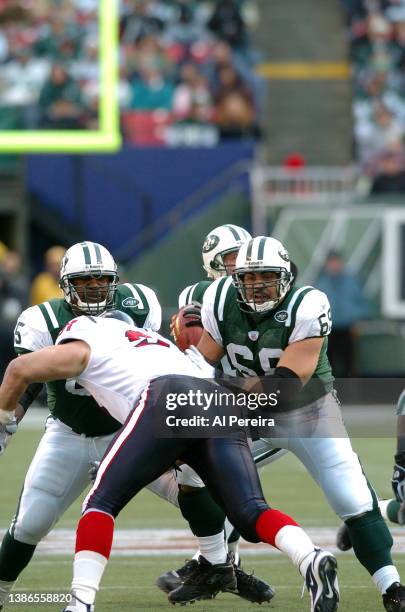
250, 587
205, 582
394, 598
174, 578
321, 582
343, 541
77, 605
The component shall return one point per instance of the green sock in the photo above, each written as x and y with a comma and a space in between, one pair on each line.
14, 557
204, 516
371, 540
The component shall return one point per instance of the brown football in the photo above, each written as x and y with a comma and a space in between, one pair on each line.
186, 330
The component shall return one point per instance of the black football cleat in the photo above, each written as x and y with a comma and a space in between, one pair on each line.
251, 588
394, 598
343, 541
321, 582
174, 578
205, 582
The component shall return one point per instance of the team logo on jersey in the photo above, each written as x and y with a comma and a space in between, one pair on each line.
284, 255
281, 316
253, 335
210, 243
130, 302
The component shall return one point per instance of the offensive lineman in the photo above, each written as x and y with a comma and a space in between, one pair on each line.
77, 432
268, 327
206, 519
130, 372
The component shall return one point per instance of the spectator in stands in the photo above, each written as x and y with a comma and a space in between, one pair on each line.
380, 132
152, 90
59, 39
228, 24
60, 101
13, 300
349, 306
389, 175
192, 96
234, 106
45, 285
140, 22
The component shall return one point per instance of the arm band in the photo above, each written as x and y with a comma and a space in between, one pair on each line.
32, 391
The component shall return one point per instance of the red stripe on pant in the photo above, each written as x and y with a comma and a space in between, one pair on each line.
269, 524
95, 532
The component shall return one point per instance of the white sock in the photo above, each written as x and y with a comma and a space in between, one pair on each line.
385, 576
5, 588
383, 505
213, 548
233, 547
296, 544
88, 568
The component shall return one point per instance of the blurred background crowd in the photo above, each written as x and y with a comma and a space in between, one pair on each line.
186, 68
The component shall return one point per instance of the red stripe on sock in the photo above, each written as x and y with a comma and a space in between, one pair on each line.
269, 524
95, 532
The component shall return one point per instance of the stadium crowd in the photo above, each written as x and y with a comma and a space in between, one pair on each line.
185, 65
377, 48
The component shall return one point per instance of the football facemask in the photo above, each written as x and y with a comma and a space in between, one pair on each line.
88, 278
259, 291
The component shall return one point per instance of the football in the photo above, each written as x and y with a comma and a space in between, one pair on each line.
187, 327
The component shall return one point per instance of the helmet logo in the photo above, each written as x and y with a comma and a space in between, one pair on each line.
284, 255
210, 243
281, 316
130, 302
253, 335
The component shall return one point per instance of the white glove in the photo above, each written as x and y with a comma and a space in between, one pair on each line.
197, 358
6, 431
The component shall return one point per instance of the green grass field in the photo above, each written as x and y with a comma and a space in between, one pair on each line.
128, 581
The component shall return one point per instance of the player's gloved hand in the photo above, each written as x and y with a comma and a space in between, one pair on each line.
6, 431
398, 477
193, 312
94, 465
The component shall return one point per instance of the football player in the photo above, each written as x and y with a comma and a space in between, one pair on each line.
131, 372
77, 433
268, 326
206, 519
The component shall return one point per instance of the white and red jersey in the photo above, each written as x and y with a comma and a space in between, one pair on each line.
123, 360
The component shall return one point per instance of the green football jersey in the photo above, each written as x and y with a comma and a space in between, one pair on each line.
194, 293
254, 342
39, 326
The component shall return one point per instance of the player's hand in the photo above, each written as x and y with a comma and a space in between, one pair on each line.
192, 311
94, 465
6, 431
398, 477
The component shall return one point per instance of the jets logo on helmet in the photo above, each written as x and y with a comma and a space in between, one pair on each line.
210, 243
220, 241
88, 278
262, 274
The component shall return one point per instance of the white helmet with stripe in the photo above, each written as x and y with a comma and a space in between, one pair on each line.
88, 260
258, 256
220, 241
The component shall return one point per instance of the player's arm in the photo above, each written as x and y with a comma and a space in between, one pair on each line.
52, 363
302, 357
209, 349
398, 477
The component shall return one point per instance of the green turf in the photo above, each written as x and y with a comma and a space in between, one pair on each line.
128, 582
128, 585
286, 485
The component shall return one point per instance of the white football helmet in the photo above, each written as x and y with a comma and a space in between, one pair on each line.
220, 241
262, 254
88, 260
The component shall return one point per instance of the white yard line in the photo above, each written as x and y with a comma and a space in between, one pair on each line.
174, 542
